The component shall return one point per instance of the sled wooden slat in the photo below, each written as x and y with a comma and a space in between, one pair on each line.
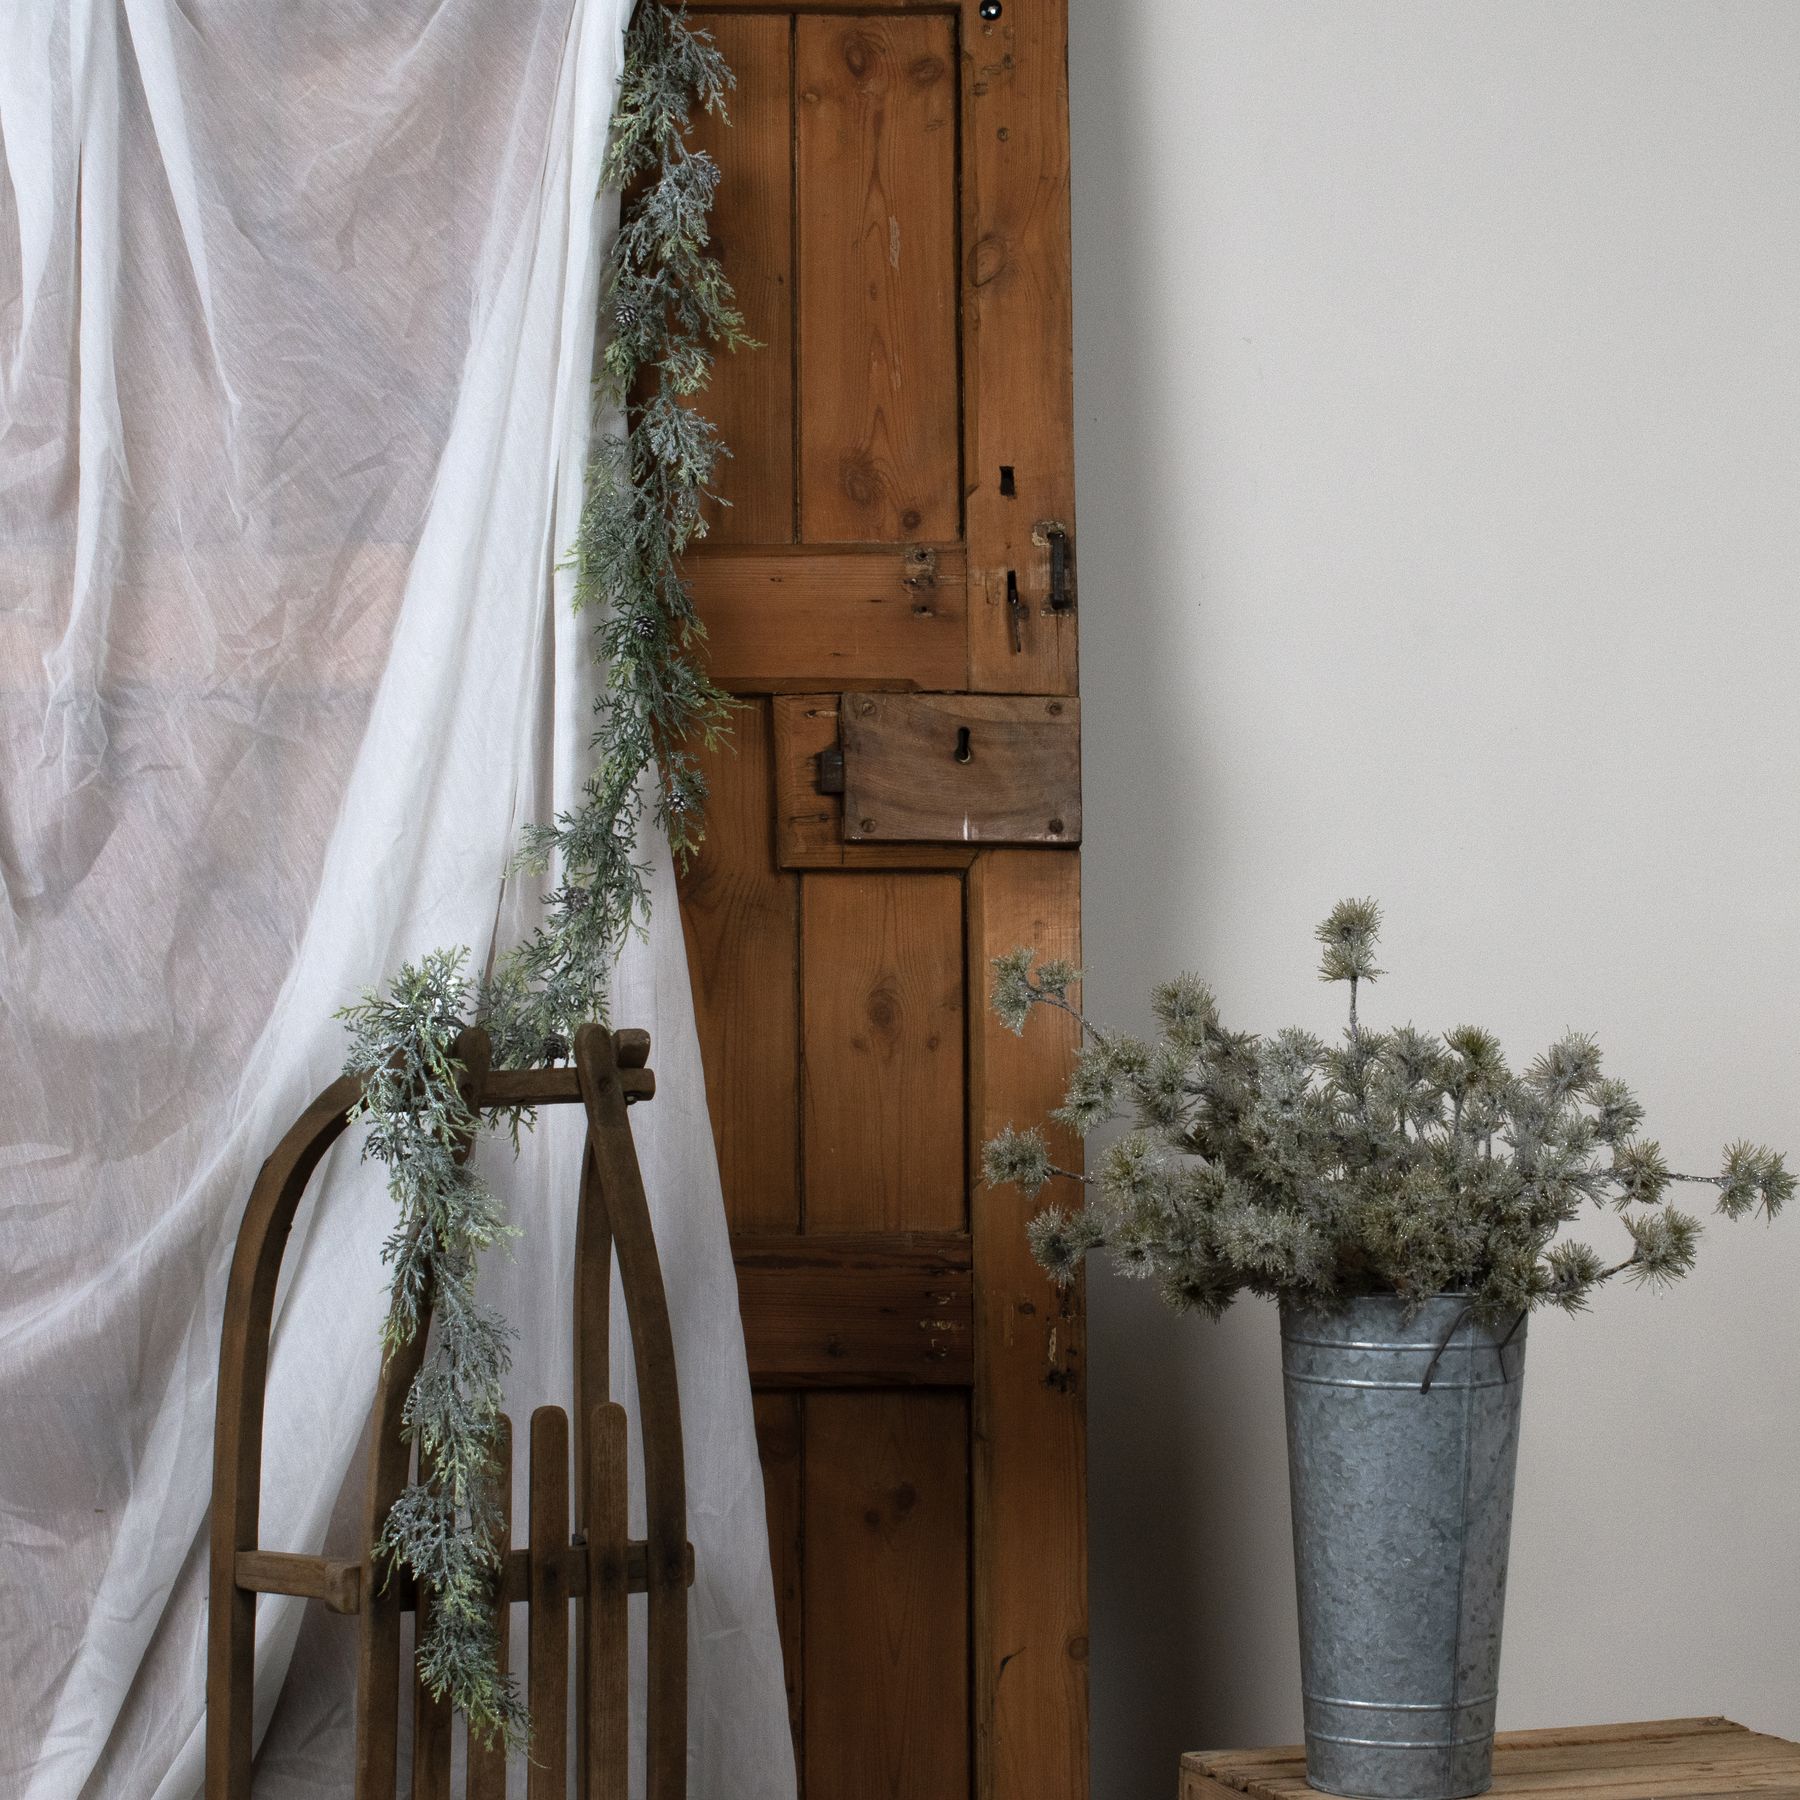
487, 1762
548, 1694
653, 1346
605, 1620
593, 1317
431, 1735
1661, 1759
577, 1548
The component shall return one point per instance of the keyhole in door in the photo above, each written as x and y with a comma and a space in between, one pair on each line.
963, 752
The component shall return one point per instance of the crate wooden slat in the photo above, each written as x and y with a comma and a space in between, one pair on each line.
1659, 1759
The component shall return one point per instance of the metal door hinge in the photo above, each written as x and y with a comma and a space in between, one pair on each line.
830, 777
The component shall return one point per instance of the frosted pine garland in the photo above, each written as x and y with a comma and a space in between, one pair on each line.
666, 308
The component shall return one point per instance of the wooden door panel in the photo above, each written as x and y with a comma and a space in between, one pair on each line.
1019, 399
753, 236
1030, 1489
875, 155
882, 1042
741, 916
779, 1436
893, 210
886, 1713
784, 621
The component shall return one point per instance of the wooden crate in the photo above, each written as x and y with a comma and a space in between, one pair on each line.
1665, 1759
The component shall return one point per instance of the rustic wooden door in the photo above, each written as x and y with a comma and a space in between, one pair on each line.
894, 213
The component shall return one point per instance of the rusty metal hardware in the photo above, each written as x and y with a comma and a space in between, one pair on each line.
1061, 600
1015, 612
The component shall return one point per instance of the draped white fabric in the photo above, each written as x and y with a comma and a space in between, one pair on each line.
296, 323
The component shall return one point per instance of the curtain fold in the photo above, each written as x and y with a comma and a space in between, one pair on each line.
296, 323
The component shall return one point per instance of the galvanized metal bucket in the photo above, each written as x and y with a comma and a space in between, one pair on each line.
1402, 1511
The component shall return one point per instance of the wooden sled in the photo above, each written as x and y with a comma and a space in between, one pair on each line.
583, 1558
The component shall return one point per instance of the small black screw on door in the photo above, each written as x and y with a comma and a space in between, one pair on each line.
990, 9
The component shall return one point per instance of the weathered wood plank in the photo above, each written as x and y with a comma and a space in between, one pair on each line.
781, 1444
1030, 1516
741, 916
886, 1646
973, 768
857, 1310
882, 1035
1019, 404
875, 154
799, 620
1666, 1759
753, 237
809, 826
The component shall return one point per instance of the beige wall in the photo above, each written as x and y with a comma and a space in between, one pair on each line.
1438, 384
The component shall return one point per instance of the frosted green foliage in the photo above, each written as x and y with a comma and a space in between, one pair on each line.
1014, 993
1349, 935
1385, 1162
1755, 1180
1665, 1241
1020, 1159
443, 1529
1059, 1241
1016, 990
666, 307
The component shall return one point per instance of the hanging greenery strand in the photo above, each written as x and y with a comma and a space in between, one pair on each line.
665, 309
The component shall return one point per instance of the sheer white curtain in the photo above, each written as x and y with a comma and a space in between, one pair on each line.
296, 322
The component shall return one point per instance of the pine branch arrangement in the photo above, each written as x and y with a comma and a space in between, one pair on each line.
1388, 1162
667, 309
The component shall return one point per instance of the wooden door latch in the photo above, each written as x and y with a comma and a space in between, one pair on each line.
956, 768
